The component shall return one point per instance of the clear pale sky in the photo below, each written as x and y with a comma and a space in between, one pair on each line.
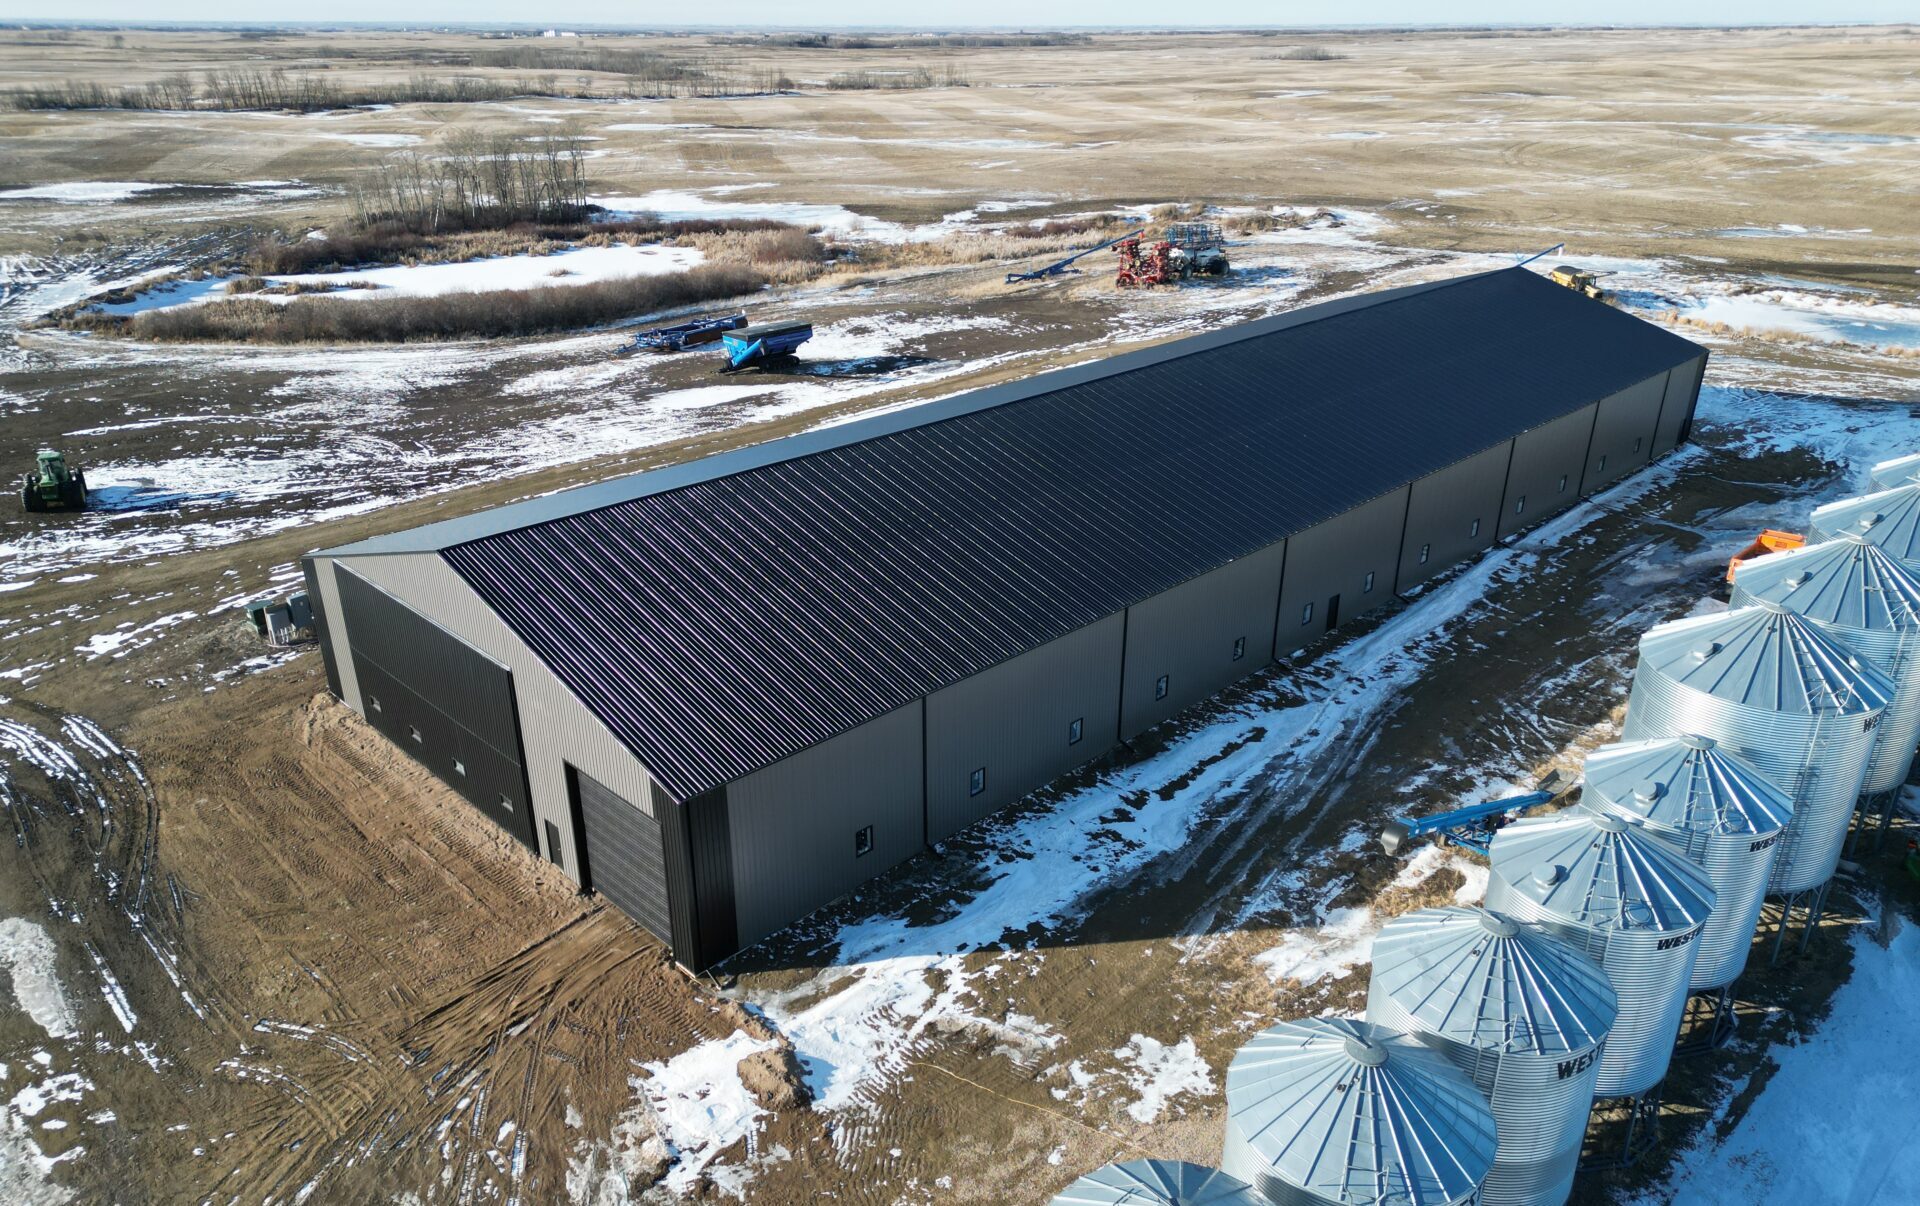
801, 14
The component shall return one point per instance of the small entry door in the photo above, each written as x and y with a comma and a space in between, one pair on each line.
1333, 612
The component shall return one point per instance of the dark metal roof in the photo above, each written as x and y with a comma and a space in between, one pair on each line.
723, 615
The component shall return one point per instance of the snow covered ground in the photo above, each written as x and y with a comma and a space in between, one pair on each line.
1837, 1122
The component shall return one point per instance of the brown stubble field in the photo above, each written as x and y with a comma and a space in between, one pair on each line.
341, 982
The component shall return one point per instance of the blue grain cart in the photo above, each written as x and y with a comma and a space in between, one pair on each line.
685, 335
756, 345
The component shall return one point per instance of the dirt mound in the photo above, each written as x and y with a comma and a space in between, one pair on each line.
776, 1079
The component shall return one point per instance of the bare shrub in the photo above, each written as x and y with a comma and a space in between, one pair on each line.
445, 316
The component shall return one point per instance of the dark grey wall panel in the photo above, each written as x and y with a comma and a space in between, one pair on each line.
473, 689
1453, 515
1624, 433
625, 858
310, 570
488, 780
1544, 477
1013, 721
1676, 410
793, 824
1335, 558
1187, 635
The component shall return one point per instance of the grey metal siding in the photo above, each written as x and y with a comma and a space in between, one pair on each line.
1676, 410
1624, 433
625, 857
793, 824
1187, 635
1545, 475
556, 727
317, 599
1453, 515
1333, 559
1013, 722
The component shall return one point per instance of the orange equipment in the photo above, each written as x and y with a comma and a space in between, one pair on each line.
1769, 541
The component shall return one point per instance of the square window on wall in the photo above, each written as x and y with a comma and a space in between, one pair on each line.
1160, 687
1637, 442
1602, 466
1239, 648
862, 840
1563, 483
1426, 551
1366, 584
373, 703
1076, 731
413, 732
1520, 504
459, 768
1476, 529
1306, 615
977, 782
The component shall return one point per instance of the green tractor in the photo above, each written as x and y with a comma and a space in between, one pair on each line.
51, 484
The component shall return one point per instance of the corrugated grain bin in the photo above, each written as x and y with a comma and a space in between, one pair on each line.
1522, 1013
1896, 472
1870, 603
1783, 697
1723, 813
1632, 903
1158, 1183
1331, 1111
1888, 519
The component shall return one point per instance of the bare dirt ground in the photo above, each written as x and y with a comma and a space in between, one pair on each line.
294, 965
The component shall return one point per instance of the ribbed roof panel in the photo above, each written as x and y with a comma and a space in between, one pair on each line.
736, 618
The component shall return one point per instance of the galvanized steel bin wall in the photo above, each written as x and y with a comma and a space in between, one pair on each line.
1522, 1013
1818, 755
1869, 601
1632, 903
1724, 814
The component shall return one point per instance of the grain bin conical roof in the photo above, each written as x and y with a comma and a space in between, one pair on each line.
1764, 657
1483, 980
1889, 519
1848, 581
1687, 784
1601, 872
1158, 1183
1340, 1111
1896, 472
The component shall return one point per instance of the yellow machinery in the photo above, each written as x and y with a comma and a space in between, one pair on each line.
1580, 281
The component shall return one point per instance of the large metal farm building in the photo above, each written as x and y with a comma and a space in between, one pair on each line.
724, 693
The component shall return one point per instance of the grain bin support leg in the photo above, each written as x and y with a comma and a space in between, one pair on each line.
1641, 1134
1709, 1022
1813, 915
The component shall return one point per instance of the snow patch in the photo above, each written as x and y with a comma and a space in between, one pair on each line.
28, 953
702, 1106
1161, 1072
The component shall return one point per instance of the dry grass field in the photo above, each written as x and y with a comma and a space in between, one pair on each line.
255, 955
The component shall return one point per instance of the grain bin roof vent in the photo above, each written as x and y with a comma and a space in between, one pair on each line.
1335, 1111
1869, 602
1158, 1183
1521, 1012
1629, 901
1724, 814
